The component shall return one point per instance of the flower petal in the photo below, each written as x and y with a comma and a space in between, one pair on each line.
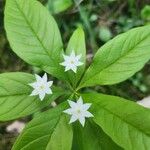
72, 104
63, 63
34, 85
42, 95
86, 106
79, 63
73, 119
79, 56
34, 92
66, 57
72, 54
68, 111
48, 91
44, 77
67, 68
88, 114
74, 69
80, 101
50, 83
38, 78
82, 121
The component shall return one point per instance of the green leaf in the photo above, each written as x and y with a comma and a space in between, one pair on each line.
49, 131
15, 101
77, 44
34, 36
57, 6
127, 123
120, 58
92, 137
61, 138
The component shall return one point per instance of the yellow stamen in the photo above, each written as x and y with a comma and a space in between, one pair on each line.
72, 62
42, 87
78, 111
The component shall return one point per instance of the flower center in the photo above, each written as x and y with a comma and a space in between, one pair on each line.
42, 87
78, 111
72, 62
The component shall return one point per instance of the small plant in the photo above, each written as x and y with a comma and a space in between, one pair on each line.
107, 122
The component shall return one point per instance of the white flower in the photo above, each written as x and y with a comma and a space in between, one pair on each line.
78, 111
71, 62
41, 86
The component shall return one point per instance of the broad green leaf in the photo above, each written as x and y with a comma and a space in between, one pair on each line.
34, 36
15, 101
127, 123
61, 139
120, 58
77, 44
92, 137
49, 131
57, 6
